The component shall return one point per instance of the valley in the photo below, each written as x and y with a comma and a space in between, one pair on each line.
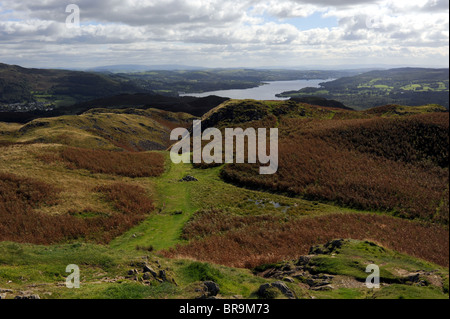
99, 190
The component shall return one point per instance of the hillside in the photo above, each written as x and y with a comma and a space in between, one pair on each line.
99, 190
407, 86
129, 129
191, 105
54, 88
377, 160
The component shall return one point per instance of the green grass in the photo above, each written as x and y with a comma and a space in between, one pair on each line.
22, 264
354, 257
408, 292
44, 267
136, 291
163, 230
351, 261
342, 293
231, 281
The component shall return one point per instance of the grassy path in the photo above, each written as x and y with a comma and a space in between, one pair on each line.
162, 230
176, 203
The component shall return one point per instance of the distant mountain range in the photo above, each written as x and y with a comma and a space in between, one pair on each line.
136, 68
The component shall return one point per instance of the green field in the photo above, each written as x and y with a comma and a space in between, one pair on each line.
398, 86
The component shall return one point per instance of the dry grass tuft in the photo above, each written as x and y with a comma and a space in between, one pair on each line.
20, 222
239, 241
390, 165
127, 164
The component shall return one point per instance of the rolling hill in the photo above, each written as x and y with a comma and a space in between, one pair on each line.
324, 155
129, 129
405, 86
58, 87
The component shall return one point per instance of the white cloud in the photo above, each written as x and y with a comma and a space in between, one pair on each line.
224, 32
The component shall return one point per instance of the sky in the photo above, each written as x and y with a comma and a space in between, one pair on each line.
225, 33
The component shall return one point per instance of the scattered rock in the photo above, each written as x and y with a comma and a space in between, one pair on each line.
335, 244
212, 289
132, 272
27, 297
317, 282
414, 278
327, 249
284, 289
208, 290
266, 291
6, 290
418, 280
271, 291
304, 272
138, 264
147, 276
162, 275
304, 260
148, 269
317, 250
323, 288
189, 178
289, 279
3, 296
287, 267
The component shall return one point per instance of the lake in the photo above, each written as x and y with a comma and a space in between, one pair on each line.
264, 92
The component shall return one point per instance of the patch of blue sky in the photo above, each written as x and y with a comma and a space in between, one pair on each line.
8, 14
2, 12
314, 21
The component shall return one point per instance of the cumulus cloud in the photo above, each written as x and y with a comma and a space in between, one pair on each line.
224, 32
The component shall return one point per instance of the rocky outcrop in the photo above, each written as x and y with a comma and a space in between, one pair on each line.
149, 270
2, 290
209, 290
271, 291
303, 270
189, 178
329, 248
147, 273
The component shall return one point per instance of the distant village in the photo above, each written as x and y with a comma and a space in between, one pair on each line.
27, 107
